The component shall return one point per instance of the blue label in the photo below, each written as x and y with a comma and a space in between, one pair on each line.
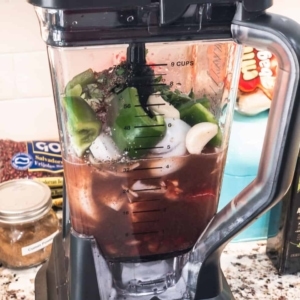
41, 156
51, 148
22, 161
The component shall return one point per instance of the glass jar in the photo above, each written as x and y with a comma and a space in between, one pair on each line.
27, 223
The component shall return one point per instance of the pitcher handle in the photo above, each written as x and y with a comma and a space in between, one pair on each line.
280, 36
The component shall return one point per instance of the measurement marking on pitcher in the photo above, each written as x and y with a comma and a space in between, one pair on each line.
152, 157
156, 65
144, 190
148, 126
149, 105
149, 168
148, 148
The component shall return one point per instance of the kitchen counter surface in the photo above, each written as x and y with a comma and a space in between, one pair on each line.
252, 276
245, 265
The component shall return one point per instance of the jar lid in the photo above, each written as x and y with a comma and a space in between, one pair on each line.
23, 200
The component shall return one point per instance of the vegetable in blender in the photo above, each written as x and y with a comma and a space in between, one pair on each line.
136, 151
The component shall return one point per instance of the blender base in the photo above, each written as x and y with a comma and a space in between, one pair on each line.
226, 293
74, 278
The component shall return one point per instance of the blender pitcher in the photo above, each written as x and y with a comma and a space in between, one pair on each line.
144, 93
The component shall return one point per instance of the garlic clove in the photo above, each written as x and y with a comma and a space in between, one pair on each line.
161, 107
104, 148
199, 135
173, 143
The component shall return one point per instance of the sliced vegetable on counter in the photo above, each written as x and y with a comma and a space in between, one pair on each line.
134, 132
199, 135
83, 125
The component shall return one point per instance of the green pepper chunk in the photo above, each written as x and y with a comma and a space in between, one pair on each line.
76, 91
134, 131
175, 99
197, 113
82, 123
82, 79
204, 101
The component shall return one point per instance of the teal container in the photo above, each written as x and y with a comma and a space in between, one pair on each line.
241, 167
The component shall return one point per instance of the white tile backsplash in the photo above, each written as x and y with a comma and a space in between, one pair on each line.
19, 27
289, 8
32, 75
28, 119
26, 105
7, 77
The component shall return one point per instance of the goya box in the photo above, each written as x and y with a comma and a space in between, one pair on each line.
39, 160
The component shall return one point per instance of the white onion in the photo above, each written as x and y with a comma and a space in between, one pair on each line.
173, 143
104, 148
159, 106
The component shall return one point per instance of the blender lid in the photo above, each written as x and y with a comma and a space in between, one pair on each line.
170, 10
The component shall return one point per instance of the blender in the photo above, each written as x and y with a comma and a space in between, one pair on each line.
144, 93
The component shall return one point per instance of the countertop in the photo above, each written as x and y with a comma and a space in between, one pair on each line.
248, 270
251, 275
